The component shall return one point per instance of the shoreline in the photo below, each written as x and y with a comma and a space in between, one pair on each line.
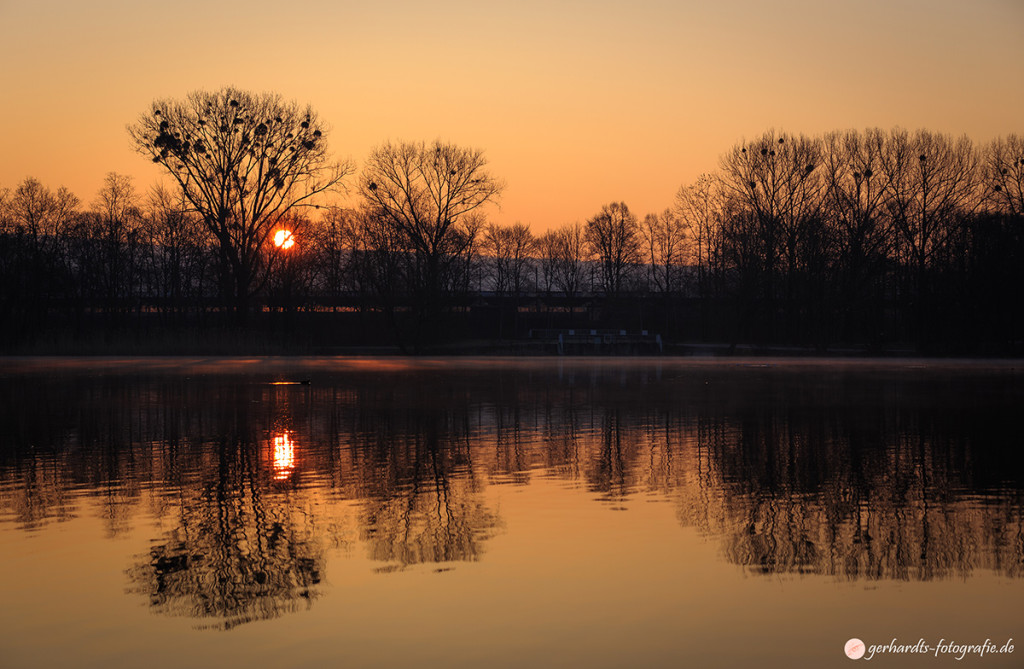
485, 349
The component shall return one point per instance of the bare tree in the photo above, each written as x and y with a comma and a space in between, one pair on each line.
243, 160
41, 214
545, 249
774, 183
5, 217
930, 182
43, 220
379, 263
36, 263
1004, 175
702, 208
996, 272
179, 258
424, 201
120, 226
333, 240
295, 265
856, 211
775, 178
565, 250
855, 192
931, 187
699, 205
613, 237
510, 249
663, 238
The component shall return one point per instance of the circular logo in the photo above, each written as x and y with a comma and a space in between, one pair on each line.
854, 649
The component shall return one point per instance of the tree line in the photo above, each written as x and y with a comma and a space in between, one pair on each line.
866, 238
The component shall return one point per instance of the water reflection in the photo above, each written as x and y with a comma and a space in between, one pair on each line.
855, 473
284, 456
238, 550
413, 469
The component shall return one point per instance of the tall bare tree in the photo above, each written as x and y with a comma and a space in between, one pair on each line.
856, 193
1004, 174
931, 187
243, 160
930, 181
613, 237
510, 249
565, 256
774, 177
36, 268
997, 241
773, 183
179, 260
427, 199
702, 206
856, 211
333, 238
41, 214
663, 237
119, 238
699, 205
5, 217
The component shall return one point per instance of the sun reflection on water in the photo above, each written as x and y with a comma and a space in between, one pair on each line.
284, 456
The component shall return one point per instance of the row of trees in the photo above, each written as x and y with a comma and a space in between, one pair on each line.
865, 237
113, 256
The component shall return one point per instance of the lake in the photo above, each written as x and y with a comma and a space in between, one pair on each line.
297, 512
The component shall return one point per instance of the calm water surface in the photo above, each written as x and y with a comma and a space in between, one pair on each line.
606, 513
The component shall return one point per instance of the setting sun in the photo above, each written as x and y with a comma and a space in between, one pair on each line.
284, 239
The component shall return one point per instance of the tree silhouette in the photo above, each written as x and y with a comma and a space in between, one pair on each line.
34, 270
613, 236
242, 160
876, 240
1004, 174
509, 251
663, 238
178, 262
424, 201
117, 239
699, 205
775, 182
931, 183
565, 255
333, 238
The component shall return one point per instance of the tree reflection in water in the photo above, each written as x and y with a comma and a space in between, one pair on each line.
414, 471
241, 550
876, 492
850, 475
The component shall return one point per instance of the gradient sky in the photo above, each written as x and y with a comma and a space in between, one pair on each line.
576, 103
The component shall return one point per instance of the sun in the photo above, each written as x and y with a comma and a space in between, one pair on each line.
284, 239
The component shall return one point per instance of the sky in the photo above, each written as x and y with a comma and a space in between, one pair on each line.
575, 103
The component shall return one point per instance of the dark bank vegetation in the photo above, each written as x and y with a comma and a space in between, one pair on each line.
868, 240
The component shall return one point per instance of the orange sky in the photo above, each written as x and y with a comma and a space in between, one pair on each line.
576, 103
